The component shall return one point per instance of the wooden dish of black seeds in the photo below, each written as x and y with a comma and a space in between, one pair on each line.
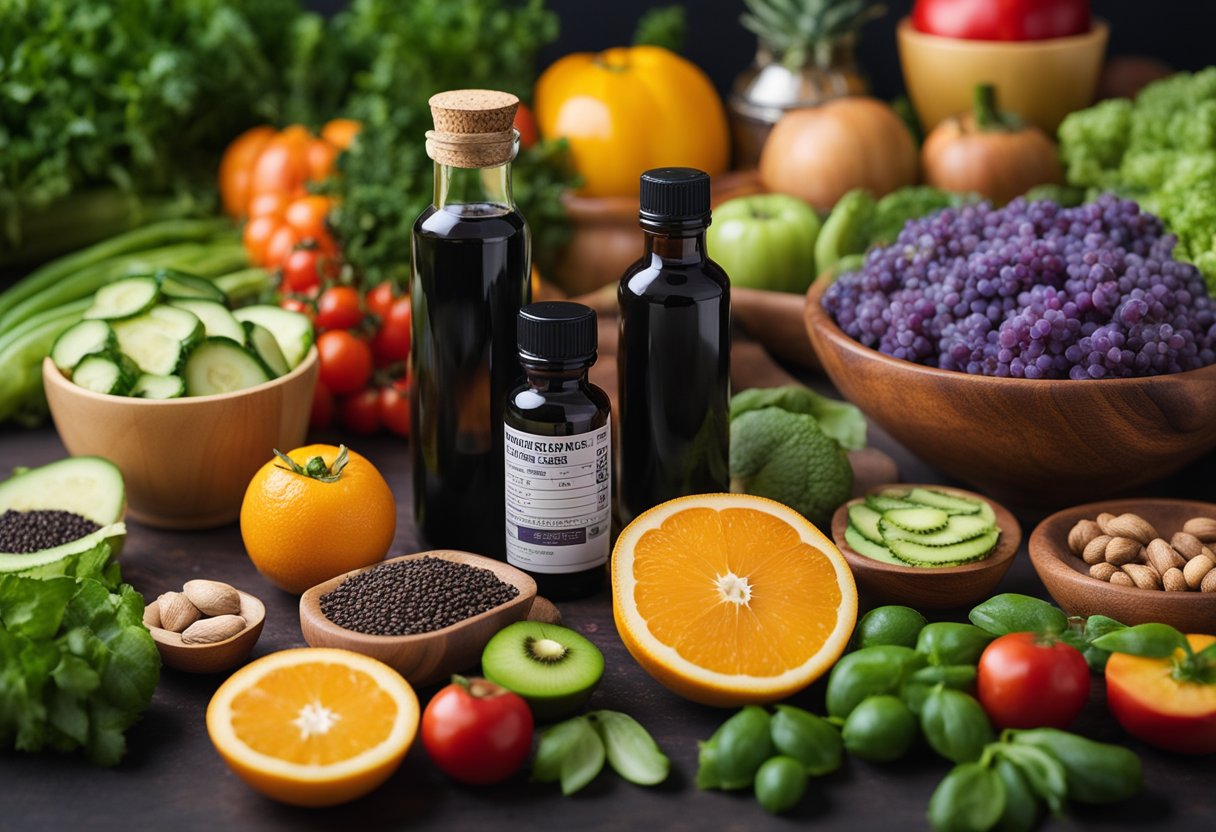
426, 615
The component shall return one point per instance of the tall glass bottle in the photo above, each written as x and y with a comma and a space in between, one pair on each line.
470, 276
674, 352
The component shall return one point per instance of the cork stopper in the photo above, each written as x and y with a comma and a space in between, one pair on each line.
473, 128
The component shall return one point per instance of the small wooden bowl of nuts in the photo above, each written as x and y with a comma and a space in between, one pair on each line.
207, 627
1137, 561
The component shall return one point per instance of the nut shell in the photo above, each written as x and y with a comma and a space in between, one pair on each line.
1143, 576
177, 612
213, 597
1081, 534
152, 616
1203, 528
211, 630
1162, 557
1197, 569
1095, 550
1133, 526
1122, 550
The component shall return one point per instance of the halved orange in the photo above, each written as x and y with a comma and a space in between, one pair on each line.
314, 726
730, 599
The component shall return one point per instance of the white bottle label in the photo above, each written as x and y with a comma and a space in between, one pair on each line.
559, 500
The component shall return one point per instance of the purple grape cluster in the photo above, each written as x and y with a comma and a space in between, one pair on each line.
1032, 290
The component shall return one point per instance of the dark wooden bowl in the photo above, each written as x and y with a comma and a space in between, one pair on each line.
1067, 577
1030, 442
215, 657
933, 588
425, 658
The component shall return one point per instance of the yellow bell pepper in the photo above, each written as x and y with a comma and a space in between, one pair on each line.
630, 109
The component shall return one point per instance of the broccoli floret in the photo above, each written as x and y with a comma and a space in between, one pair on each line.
839, 420
1093, 141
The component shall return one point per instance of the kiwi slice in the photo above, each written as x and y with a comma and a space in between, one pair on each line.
554, 668
960, 528
881, 503
946, 502
863, 546
976, 548
865, 520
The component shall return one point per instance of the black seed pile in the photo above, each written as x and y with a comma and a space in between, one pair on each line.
414, 596
23, 532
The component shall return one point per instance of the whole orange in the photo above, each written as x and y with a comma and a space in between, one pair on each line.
314, 513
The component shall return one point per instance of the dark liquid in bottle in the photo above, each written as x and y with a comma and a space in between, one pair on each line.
674, 356
472, 277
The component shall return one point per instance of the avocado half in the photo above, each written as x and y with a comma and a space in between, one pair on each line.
86, 485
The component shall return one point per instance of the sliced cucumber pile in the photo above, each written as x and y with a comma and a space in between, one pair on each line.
170, 334
922, 527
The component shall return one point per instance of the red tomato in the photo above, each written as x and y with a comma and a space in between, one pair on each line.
1001, 19
282, 243
1154, 706
298, 305
257, 234
525, 123
346, 361
380, 299
394, 406
391, 343
307, 216
303, 269
322, 413
360, 413
476, 731
338, 308
1028, 681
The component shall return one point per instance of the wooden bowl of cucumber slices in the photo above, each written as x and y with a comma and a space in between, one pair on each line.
926, 546
185, 396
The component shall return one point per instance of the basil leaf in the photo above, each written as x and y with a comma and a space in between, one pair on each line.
1096, 772
1207, 655
631, 751
970, 799
1042, 771
555, 743
707, 766
584, 758
1097, 626
1150, 641
1013, 613
1021, 812
809, 739
743, 743
955, 725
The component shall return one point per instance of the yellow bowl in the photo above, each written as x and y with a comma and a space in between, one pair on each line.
1040, 80
186, 462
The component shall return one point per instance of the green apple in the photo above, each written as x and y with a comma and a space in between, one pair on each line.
765, 241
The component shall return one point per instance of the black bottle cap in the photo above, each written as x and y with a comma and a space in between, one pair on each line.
557, 331
674, 195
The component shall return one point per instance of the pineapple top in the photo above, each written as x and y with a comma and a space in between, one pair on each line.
800, 32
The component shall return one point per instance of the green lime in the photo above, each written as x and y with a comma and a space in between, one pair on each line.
880, 729
889, 625
780, 784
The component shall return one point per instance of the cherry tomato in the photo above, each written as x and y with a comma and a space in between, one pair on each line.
268, 203
1174, 714
346, 361
380, 299
525, 123
298, 305
338, 308
307, 216
322, 413
236, 167
360, 413
394, 406
283, 241
303, 269
257, 234
391, 343
282, 166
321, 156
341, 132
476, 731
1030, 681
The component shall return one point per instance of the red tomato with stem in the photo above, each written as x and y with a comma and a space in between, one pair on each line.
1028, 680
394, 407
346, 361
360, 412
339, 308
380, 299
1001, 19
1152, 700
476, 731
304, 268
391, 343
322, 413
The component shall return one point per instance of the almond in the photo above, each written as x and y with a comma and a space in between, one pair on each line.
176, 611
1095, 550
152, 616
1081, 534
1203, 528
1122, 550
1102, 519
1209, 582
1122, 579
1143, 576
212, 630
1102, 571
1173, 581
1163, 558
1196, 569
1186, 544
213, 597
1133, 526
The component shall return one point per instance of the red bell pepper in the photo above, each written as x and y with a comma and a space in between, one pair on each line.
1001, 19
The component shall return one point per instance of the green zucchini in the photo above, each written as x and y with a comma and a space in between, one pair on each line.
124, 299
80, 340
221, 365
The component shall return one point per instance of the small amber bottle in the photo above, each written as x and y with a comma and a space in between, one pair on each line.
558, 454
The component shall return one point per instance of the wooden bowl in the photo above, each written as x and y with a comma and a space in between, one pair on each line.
931, 588
186, 462
1040, 80
1030, 442
1067, 578
425, 658
775, 319
212, 658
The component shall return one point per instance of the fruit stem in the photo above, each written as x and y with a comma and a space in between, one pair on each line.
316, 468
989, 118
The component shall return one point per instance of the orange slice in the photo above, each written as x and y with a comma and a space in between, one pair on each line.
313, 727
730, 599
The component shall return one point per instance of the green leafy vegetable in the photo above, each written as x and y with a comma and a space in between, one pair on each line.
571, 752
839, 420
662, 26
632, 752
1014, 613
970, 799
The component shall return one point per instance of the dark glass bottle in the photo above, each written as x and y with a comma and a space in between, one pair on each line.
674, 353
470, 277
558, 446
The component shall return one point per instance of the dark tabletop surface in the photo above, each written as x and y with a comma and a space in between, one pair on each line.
173, 780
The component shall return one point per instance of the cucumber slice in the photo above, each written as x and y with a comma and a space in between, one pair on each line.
144, 340
179, 285
920, 520
178, 324
292, 330
946, 502
986, 513
124, 299
221, 365
960, 528
865, 520
869, 548
79, 340
217, 320
976, 548
882, 502
148, 386
263, 345
102, 374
